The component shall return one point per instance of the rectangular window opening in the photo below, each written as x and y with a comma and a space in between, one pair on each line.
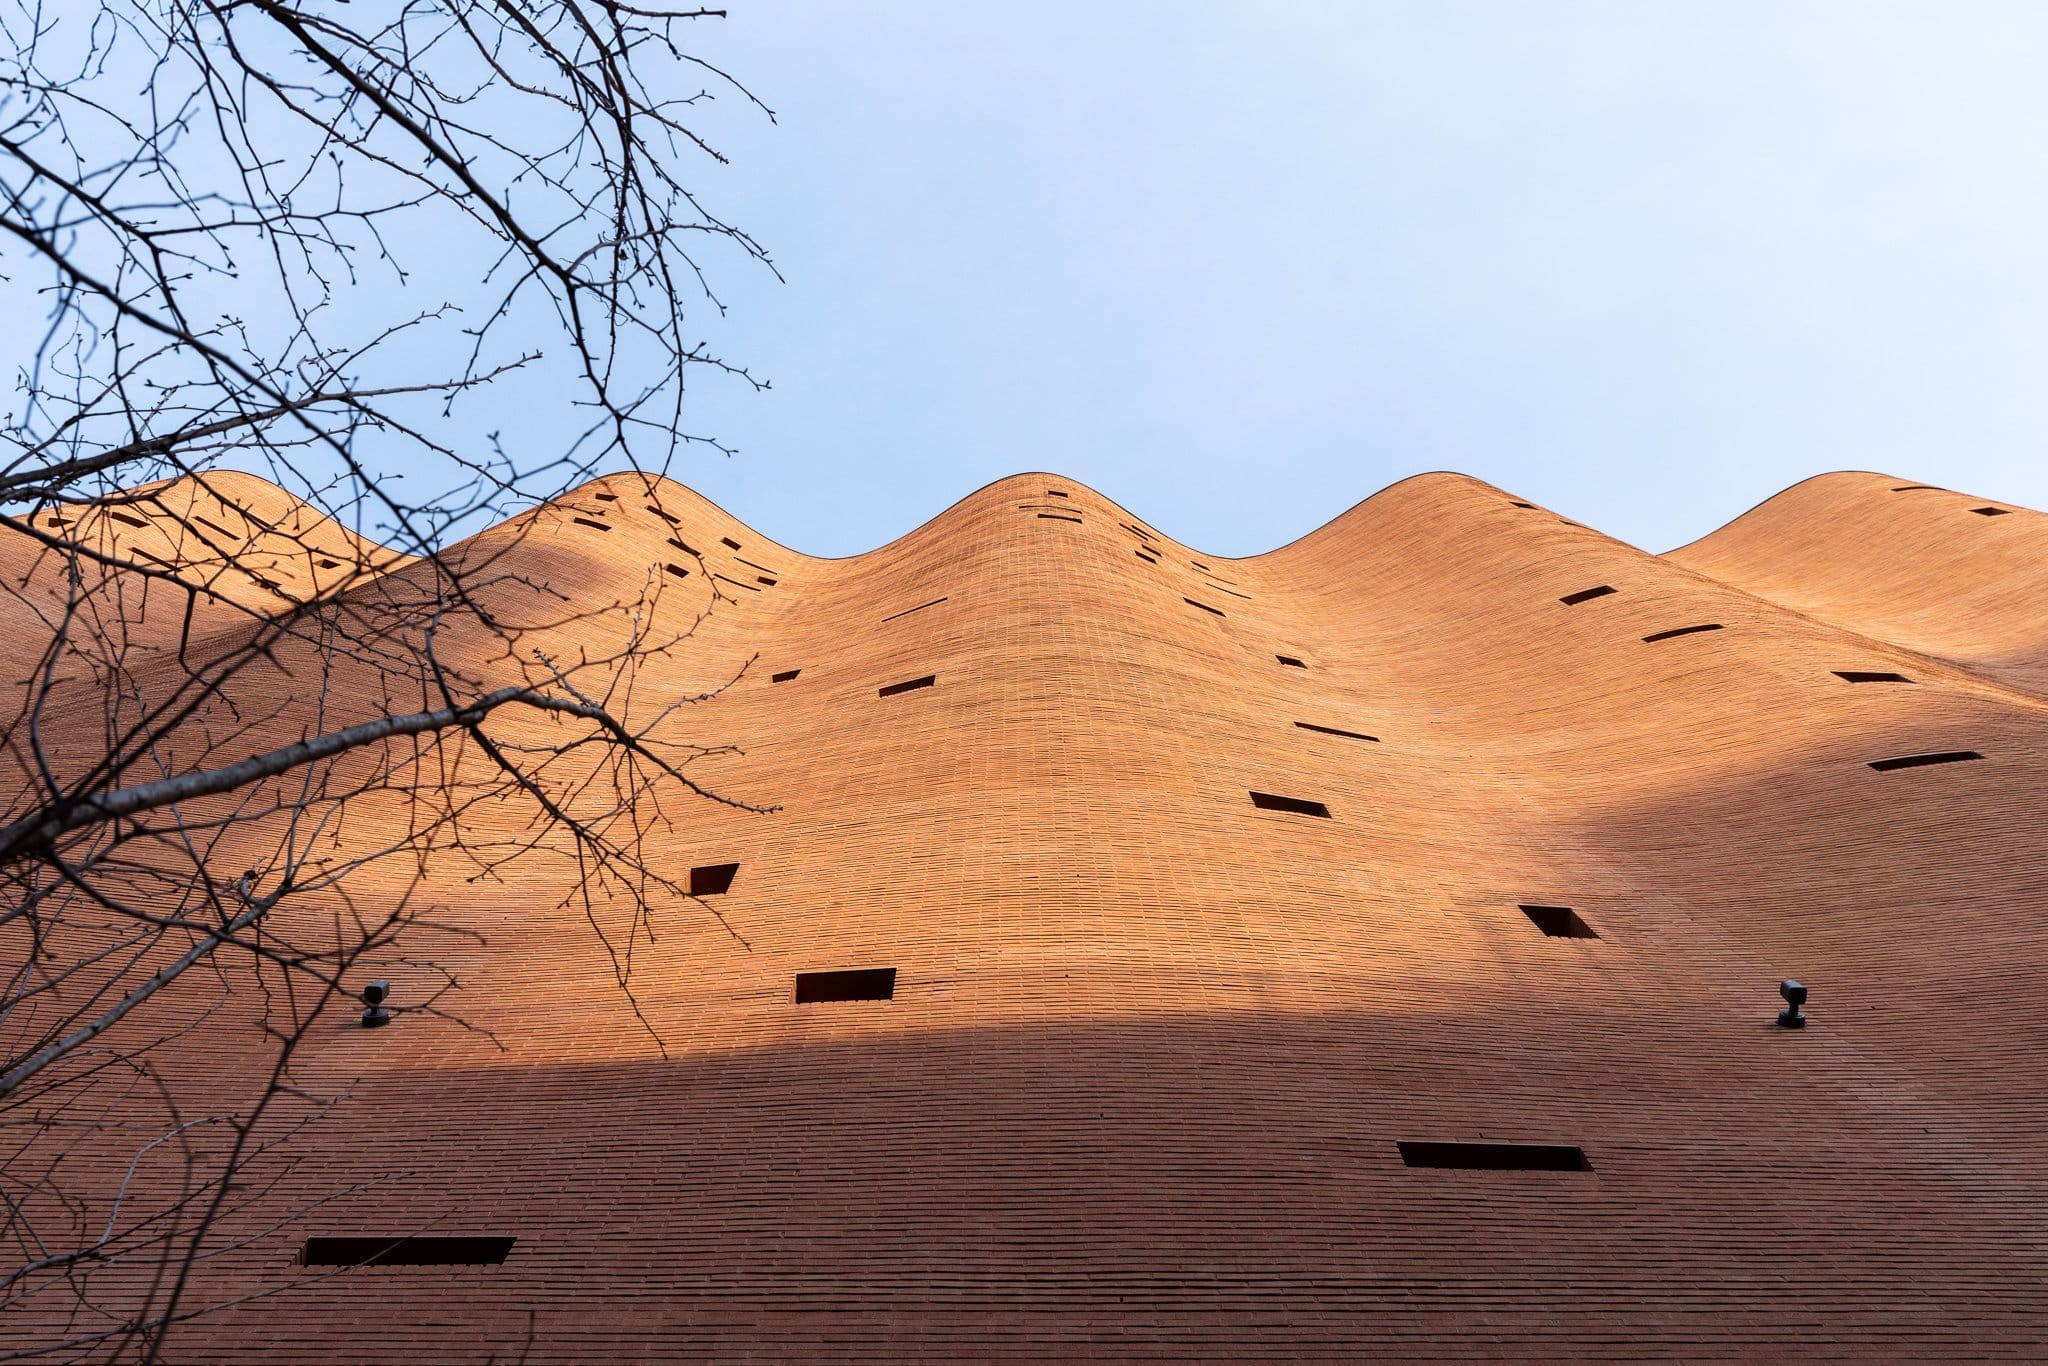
1290, 661
1860, 676
1908, 488
1681, 631
1056, 517
127, 519
329, 564
729, 543
1332, 730
607, 497
1057, 493
415, 1251
784, 676
1217, 611
919, 608
854, 984
906, 686
1300, 806
1559, 922
588, 521
762, 578
713, 879
1991, 512
1148, 559
677, 570
1586, 595
1520, 504
1494, 1156
1953, 756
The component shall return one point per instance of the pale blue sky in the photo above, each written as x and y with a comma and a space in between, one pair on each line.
1241, 265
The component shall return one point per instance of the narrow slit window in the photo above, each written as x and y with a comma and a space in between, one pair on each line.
1148, 559
1232, 591
1673, 634
713, 879
855, 984
1300, 806
763, 578
126, 519
1908, 488
919, 608
729, 543
415, 1251
1559, 922
784, 676
666, 517
330, 564
1290, 661
607, 497
1586, 595
1991, 512
1520, 504
1057, 493
1332, 730
590, 521
1496, 1156
677, 570
1953, 756
1214, 611
1056, 517
1862, 676
908, 685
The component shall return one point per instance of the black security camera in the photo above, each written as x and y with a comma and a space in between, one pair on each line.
373, 996
1795, 997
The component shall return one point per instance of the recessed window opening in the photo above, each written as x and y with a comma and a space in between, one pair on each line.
1055, 517
855, 984
1148, 559
1057, 493
1520, 504
587, 521
1290, 661
1233, 592
677, 570
784, 676
1496, 1156
1681, 631
414, 1251
1218, 611
330, 564
1559, 922
919, 608
1859, 676
607, 497
1586, 595
126, 518
713, 879
729, 543
1991, 512
762, 578
927, 681
1332, 730
1300, 806
671, 520
1953, 756
1908, 488
736, 583
1199, 565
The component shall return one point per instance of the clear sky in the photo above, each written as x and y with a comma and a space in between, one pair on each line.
1240, 265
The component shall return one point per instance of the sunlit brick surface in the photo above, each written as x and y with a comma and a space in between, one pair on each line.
1150, 1048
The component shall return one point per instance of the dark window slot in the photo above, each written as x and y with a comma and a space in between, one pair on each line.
758, 578
1496, 1157
1199, 565
1266, 801
1233, 592
1218, 611
126, 518
1056, 517
1290, 661
856, 984
271, 584
672, 521
1134, 531
919, 608
1559, 922
330, 564
607, 497
1908, 488
1520, 504
729, 543
417, 1251
736, 583
677, 570
751, 565
586, 521
1991, 512
1858, 676
1585, 595
1332, 730
713, 879
784, 676
908, 685
1681, 631
686, 549
1057, 493
1954, 756
1148, 559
